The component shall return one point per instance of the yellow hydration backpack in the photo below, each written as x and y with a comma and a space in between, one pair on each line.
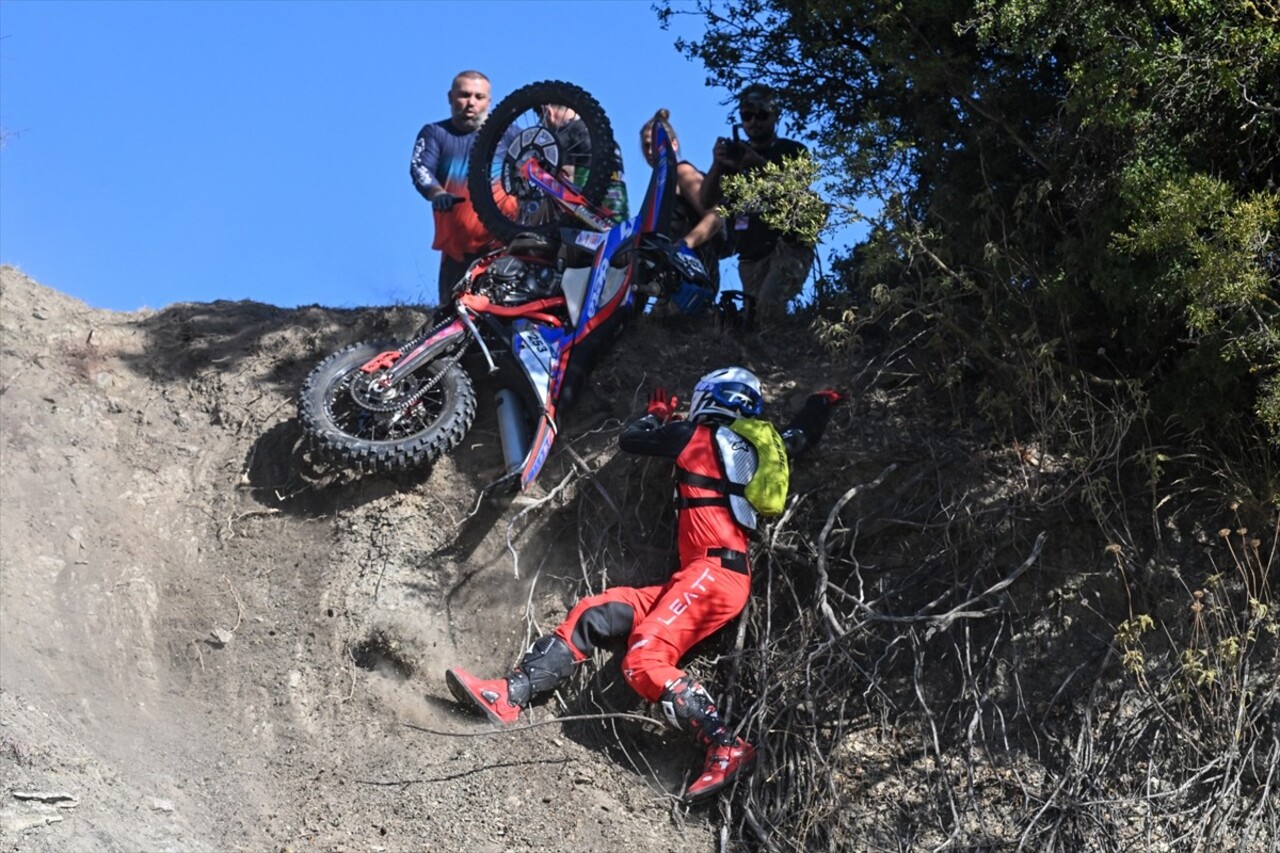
767, 490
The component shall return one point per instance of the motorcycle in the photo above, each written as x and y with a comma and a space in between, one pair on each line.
537, 313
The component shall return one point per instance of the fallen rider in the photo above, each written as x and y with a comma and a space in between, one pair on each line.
730, 467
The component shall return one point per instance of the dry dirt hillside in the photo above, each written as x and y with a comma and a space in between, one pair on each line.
209, 645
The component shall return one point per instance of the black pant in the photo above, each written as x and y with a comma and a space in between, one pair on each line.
450, 272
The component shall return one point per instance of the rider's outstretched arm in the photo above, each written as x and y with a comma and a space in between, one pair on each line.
808, 424
649, 436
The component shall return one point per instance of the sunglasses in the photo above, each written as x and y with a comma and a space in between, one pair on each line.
754, 115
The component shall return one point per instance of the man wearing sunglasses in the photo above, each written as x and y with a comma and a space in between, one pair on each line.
772, 264
707, 591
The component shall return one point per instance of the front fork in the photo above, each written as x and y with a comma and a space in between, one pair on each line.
395, 365
475, 334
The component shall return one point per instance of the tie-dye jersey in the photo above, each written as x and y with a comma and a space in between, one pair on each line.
440, 156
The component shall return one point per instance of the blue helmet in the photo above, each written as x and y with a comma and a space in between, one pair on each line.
731, 392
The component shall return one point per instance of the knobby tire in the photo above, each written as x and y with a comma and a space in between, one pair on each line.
343, 433
484, 172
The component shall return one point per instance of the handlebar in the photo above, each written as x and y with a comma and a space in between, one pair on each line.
669, 270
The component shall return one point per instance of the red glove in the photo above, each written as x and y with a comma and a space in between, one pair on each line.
830, 395
662, 406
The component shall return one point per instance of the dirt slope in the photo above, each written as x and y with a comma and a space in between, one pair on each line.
208, 643
209, 646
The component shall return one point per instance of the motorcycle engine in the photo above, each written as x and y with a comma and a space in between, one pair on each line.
512, 281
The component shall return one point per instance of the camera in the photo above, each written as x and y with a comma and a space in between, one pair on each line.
735, 148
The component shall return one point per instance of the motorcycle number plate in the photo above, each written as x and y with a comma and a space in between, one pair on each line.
537, 343
536, 357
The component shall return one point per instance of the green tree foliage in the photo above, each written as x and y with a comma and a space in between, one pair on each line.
1083, 181
782, 193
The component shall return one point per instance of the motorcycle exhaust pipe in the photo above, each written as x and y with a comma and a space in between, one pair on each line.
513, 429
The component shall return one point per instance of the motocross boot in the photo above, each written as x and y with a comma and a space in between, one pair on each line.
548, 664
688, 706
724, 764
491, 697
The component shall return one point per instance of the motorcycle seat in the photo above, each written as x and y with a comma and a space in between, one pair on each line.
531, 245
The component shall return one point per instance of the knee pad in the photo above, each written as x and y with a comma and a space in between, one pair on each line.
596, 623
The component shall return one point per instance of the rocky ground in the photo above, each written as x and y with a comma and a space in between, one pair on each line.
210, 644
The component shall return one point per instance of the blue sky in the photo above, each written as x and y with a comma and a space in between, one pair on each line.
160, 152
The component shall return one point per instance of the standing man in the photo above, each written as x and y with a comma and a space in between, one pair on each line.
772, 264
439, 171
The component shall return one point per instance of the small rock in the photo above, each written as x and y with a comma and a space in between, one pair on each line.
54, 798
161, 805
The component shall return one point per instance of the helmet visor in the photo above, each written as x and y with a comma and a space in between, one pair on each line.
738, 396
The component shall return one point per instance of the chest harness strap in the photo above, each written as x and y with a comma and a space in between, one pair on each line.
722, 485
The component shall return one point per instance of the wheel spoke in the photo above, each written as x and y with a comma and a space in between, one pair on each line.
560, 127
360, 422
567, 152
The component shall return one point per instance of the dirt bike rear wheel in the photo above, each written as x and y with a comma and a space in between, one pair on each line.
382, 438
505, 203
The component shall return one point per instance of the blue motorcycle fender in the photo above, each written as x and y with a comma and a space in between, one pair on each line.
538, 451
605, 278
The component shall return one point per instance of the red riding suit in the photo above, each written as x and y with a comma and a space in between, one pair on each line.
713, 582
661, 623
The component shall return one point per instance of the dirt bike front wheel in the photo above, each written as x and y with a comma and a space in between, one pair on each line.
562, 127
354, 419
